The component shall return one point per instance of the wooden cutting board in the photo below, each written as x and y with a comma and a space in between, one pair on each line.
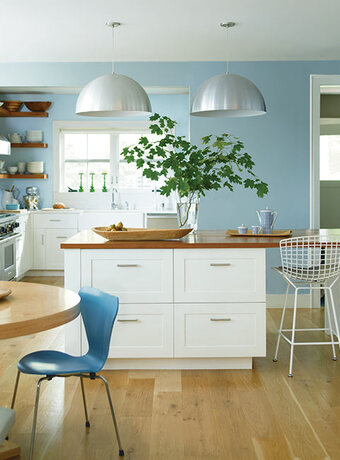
276, 233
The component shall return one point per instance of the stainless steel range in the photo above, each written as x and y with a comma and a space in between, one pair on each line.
8, 238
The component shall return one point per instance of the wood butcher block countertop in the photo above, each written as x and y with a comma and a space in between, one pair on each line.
203, 239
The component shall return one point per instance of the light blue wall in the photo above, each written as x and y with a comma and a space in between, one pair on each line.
278, 141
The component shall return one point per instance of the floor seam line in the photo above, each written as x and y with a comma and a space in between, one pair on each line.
307, 419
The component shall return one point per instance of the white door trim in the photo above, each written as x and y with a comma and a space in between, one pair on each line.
316, 81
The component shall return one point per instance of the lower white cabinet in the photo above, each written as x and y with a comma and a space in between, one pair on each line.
219, 275
220, 330
50, 229
47, 252
135, 276
141, 331
54, 256
153, 321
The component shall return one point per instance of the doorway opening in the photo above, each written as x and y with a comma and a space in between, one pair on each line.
325, 152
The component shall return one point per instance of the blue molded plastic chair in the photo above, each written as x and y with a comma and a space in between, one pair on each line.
98, 311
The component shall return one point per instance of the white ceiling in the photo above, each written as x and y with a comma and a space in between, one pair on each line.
168, 30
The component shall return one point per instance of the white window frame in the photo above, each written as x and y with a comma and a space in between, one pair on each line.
112, 127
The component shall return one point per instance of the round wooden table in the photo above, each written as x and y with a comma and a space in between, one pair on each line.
32, 308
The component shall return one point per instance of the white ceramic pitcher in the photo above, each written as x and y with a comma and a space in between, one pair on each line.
9, 197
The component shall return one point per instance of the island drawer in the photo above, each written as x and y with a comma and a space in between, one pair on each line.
56, 220
134, 275
220, 330
142, 331
219, 275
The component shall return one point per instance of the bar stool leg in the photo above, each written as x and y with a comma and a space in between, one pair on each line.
334, 314
330, 324
281, 324
290, 373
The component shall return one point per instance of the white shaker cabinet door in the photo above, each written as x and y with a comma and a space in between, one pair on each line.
39, 248
54, 257
143, 331
134, 275
220, 330
219, 275
140, 331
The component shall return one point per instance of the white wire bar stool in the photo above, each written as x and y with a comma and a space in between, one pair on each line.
309, 263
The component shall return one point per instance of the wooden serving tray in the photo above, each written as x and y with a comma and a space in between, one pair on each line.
142, 234
276, 233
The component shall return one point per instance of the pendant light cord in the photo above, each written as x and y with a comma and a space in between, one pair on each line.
113, 25
227, 26
113, 50
227, 48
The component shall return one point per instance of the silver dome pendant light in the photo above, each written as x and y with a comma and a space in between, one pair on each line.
228, 95
113, 95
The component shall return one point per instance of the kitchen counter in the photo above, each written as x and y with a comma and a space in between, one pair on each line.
195, 303
203, 239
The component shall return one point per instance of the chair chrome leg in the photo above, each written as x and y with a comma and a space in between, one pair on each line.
281, 324
330, 324
87, 422
121, 451
290, 372
15, 390
334, 315
35, 415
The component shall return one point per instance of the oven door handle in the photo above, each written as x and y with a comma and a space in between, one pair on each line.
13, 236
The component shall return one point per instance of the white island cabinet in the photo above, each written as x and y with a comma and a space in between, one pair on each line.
182, 304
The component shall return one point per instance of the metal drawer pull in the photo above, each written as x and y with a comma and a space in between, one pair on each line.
55, 220
61, 237
220, 265
127, 265
220, 319
132, 320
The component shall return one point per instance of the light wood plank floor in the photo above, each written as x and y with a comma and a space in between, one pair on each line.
189, 415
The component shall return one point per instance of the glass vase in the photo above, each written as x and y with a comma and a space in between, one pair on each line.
187, 211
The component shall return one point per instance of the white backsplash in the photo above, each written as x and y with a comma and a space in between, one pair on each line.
128, 199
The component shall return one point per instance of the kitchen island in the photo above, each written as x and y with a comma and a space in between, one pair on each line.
194, 303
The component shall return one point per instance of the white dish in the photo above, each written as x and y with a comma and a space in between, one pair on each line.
12, 169
35, 167
34, 135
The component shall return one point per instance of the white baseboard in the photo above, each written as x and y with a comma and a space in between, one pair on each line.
179, 363
277, 301
45, 273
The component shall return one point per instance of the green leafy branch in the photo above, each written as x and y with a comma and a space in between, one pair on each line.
186, 168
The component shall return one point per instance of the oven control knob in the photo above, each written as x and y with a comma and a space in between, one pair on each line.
3, 230
16, 224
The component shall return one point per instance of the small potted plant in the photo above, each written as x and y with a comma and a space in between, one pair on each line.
190, 171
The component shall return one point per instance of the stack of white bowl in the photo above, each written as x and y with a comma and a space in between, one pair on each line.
34, 135
35, 167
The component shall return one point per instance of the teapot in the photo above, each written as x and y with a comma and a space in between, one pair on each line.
267, 219
15, 138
